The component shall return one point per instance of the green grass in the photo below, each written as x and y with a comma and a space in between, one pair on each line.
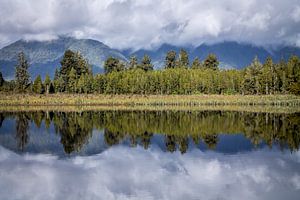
152, 102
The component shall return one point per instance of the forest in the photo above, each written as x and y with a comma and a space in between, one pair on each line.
178, 76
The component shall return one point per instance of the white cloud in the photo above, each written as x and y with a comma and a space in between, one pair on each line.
149, 23
133, 173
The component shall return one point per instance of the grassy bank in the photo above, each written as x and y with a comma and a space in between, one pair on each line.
149, 100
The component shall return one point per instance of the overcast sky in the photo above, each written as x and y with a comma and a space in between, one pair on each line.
148, 23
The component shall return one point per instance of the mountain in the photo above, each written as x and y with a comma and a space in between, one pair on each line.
44, 56
230, 54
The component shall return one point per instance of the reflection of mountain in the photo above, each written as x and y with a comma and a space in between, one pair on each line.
174, 130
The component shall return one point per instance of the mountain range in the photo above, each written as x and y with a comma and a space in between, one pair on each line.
44, 56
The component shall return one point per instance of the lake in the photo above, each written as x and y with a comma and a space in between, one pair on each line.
114, 154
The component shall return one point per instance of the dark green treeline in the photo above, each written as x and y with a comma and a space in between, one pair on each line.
179, 76
177, 127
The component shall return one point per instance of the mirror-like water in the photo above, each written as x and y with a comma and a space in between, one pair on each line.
149, 155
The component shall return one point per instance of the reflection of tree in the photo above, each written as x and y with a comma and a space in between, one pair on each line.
146, 139
22, 126
75, 128
170, 143
1, 119
211, 141
183, 144
111, 138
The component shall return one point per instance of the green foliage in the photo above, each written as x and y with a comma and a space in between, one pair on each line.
196, 64
170, 61
146, 64
177, 77
113, 64
38, 85
183, 60
47, 84
133, 63
22, 77
211, 62
72, 60
72, 81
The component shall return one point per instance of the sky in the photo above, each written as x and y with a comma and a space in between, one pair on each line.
136, 24
124, 173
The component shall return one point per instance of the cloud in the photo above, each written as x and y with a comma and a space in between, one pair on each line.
133, 173
148, 23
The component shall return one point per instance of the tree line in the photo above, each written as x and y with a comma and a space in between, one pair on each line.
178, 76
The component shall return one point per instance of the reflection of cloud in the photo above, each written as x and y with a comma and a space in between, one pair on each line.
133, 173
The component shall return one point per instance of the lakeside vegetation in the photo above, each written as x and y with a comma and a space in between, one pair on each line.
149, 100
178, 77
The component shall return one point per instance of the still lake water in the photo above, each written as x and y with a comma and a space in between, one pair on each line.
149, 155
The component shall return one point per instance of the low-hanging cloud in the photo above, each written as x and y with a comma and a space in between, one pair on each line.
148, 23
133, 173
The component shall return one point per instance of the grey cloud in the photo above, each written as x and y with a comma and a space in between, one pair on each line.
134, 173
149, 23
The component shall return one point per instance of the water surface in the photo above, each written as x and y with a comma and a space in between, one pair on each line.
149, 155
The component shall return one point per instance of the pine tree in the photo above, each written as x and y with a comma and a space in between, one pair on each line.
113, 64
67, 63
146, 64
293, 75
196, 63
183, 59
211, 62
38, 85
47, 83
72, 81
81, 84
133, 63
22, 77
251, 78
170, 60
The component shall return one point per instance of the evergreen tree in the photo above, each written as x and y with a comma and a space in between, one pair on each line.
81, 84
59, 84
47, 83
267, 77
251, 82
113, 64
22, 77
88, 83
133, 63
67, 63
196, 63
183, 59
170, 60
38, 85
146, 64
211, 62
293, 75
72, 81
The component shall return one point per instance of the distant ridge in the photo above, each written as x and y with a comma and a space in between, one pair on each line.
231, 54
44, 56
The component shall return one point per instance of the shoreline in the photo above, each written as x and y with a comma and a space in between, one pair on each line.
147, 100
86, 102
